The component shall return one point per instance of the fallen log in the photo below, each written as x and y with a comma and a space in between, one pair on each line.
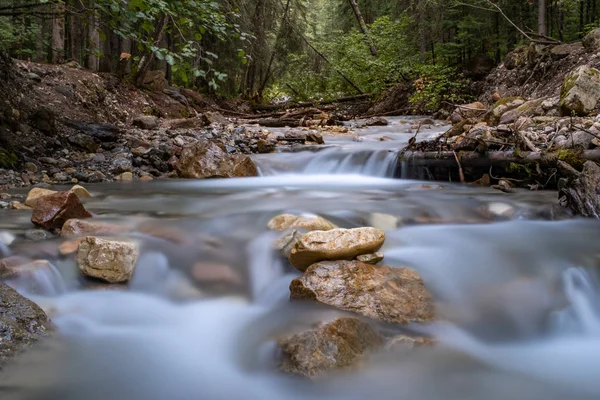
279, 123
495, 158
284, 106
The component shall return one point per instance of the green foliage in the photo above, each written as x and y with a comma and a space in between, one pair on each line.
438, 86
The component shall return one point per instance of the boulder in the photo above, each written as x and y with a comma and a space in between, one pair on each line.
305, 221
210, 117
591, 41
376, 121
36, 193
52, 211
565, 50
82, 227
109, 260
466, 111
395, 295
334, 345
517, 58
580, 91
155, 80
22, 323
84, 142
335, 244
205, 159
146, 122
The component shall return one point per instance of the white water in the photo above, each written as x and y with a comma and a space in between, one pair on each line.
518, 297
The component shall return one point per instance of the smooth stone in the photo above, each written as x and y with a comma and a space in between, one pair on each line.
109, 260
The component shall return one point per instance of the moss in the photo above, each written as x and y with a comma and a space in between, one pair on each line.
520, 169
567, 85
505, 100
7, 158
571, 157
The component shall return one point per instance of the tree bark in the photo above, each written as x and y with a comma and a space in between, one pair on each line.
542, 26
58, 34
363, 27
93, 40
148, 59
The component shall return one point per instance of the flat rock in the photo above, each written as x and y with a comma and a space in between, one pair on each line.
109, 260
334, 345
52, 211
204, 159
147, 122
82, 227
466, 111
22, 323
305, 221
395, 295
335, 244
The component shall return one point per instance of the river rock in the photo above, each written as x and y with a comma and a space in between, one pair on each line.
527, 109
580, 91
81, 192
591, 41
52, 211
335, 244
286, 243
35, 193
210, 117
472, 110
109, 260
17, 205
22, 323
376, 121
146, 122
371, 258
337, 344
205, 159
305, 221
395, 295
90, 227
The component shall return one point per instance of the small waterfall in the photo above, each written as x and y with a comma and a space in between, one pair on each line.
37, 278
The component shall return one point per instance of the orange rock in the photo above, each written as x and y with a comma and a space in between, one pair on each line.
52, 211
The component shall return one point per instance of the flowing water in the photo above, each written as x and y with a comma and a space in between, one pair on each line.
517, 293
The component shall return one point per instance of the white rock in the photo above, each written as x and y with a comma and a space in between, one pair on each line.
112, 260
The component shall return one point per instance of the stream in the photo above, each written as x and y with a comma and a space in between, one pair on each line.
517, 286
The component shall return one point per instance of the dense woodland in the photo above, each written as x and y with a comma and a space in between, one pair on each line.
278, 49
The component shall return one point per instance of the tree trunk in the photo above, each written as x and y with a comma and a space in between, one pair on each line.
58, 34
542, 27
148, 59
272, 58
363, 27
93, 40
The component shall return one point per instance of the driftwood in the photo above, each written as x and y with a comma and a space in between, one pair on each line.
495, 158
279, 123
284, 106
580, 191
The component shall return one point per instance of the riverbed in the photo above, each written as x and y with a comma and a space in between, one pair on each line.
517, 282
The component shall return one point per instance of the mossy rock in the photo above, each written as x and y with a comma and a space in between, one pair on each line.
580, 91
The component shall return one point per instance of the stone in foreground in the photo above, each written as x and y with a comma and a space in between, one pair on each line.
580, 91
305, 221
35, 194
395, 295
109, 260
335, 244
52, 211
204, 159
338, 344
82, 227
22, 323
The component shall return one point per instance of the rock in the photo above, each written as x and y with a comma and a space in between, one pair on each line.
315, 138
125, 176
204, 159
69, 247
528, 109
121, 165
44, 120
591, 41
52, 211
17, 205
517, 58
84, 142
370, 258
22, 323
395, 295
37, 234
580, 192
109, 260
305, 221
472, 110
286, 243
35, 194
186, 123
146, 178
404, 342
81, 192
504, 186
335, 244
565, 50
95, 177
147, 122
580, 91
577, 139
210, 117
155, 80
104, 132
376, 121
334, 345
30, 167
90, 227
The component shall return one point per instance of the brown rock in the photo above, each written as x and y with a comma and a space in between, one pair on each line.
210, 118
376, 121
371, 258
69, 247
306, 221
110, 260
81, 192
17, 205
13, 267
79, 227
52, 211
186, 123
394, 295
35, 193
404, 342
466, 111
286, 243
338, 344
205, 159
335, 244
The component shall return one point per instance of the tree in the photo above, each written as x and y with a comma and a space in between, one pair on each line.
363, 27
542, 28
